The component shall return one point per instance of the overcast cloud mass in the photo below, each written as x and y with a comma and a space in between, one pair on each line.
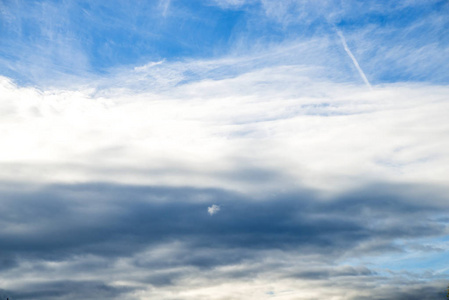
224, 149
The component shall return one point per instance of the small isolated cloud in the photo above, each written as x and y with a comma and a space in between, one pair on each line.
212, 210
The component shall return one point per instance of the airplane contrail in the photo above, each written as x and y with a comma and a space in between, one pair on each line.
354, 60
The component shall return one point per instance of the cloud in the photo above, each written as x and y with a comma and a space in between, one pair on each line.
148, 65
276, 126
160, 110
136, 237
212, 210
74, 43
68, 290
354, 60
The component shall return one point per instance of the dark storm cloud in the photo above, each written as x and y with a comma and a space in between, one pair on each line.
67, 223
108, 220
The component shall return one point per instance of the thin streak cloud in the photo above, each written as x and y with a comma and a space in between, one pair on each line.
354, 60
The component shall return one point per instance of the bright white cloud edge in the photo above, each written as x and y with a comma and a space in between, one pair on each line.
301, 130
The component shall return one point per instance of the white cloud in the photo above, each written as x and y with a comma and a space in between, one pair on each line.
290, 123
212, 210
148, 65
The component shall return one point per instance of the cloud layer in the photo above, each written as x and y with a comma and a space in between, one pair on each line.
224, 149
143, 242
267, 129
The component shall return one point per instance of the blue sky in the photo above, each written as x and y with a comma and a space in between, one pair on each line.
393, 42
224, 149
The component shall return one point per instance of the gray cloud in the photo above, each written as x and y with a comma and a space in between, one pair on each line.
414, 291
165, 236
88, 218
67, 290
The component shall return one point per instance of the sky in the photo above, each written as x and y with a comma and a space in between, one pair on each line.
224, 149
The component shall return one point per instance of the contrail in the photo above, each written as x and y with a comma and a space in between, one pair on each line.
356, 63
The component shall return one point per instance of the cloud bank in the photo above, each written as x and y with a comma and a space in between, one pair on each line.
327, 187
225, 149
268, 129
141, 242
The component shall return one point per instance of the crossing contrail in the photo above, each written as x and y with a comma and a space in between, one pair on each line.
356, 63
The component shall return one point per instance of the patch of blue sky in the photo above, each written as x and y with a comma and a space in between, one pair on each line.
435, 263
408, 45
108, 34
145, 33
388, 13
427, 255
393, 42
